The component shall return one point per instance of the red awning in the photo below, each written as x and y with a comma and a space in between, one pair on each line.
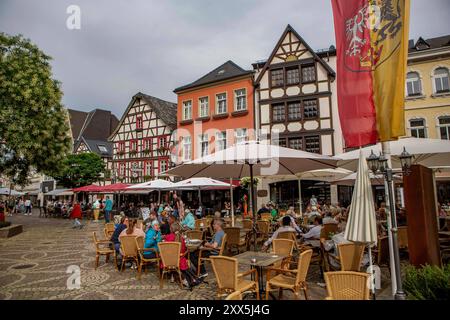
101, 189
116, 187
90, 188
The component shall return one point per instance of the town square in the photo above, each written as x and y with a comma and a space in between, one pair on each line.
215, 151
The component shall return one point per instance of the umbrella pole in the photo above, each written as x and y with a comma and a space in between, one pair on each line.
252, 206
159, 196
300, 196
232, 203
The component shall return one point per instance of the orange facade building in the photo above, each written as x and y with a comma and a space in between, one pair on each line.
215, 112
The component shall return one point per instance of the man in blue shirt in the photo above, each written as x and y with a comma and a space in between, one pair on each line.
108, 208
212, 247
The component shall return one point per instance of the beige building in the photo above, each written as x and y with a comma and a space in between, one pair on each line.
427, 102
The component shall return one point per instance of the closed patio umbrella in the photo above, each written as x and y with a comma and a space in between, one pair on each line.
361, 224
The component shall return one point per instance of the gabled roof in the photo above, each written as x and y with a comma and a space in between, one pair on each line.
280, 41
165, 110
93, 146
98, 125
77, 119
226, 71
426, 44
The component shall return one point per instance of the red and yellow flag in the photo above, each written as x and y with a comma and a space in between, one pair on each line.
372, 51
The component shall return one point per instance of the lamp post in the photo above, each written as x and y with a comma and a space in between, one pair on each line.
379, 164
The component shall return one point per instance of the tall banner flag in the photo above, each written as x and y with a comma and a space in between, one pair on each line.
372, 51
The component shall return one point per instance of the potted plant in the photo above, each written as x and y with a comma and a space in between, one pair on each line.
427, 282
121, 152
245, 182
148, 178
133, 152
146, 151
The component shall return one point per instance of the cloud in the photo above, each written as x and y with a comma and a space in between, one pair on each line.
155, 46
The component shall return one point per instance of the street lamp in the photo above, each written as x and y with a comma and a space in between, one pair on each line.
380, 164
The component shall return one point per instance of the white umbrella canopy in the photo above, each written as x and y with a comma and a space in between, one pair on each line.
157, 184
375, 179
60, 192
431, 153
7, 191
199, 184
266, 160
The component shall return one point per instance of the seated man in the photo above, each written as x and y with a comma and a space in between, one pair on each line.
329, 219
213, 245
313, 234
285, 227
188, 221
264, 209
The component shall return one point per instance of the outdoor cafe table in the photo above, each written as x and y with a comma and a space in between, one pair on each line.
263, 260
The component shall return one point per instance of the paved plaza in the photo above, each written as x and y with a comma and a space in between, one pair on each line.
35, 263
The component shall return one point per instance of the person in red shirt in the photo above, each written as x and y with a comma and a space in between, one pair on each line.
76, 214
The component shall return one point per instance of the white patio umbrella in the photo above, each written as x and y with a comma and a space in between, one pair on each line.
12, 192
203, 184
431, 153
375, 179
158, 184
361, 224
59, 192
253, 158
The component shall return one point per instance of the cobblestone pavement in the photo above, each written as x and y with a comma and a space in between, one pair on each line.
34, 265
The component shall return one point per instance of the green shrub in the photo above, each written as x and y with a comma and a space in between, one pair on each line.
427, 283
4, 224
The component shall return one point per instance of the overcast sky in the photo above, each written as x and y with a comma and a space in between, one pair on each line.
154, 46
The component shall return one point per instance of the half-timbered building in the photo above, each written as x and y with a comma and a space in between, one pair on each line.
143, 138
295, 104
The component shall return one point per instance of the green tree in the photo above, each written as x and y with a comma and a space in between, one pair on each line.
34, 126
81, 169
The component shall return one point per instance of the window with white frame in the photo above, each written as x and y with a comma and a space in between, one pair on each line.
417, 127
441, 80
203, 145
444, 127
221, 140
122, 169
148, 168
102, 148
187, 148
413, 85
241, 135
187, 110
221, 103
203, 107
240, 100
163, 166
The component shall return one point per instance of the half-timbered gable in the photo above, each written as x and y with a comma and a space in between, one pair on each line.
294, 97
143, 138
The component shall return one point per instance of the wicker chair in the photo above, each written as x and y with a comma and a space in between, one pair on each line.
199, 224
247, 224
347, 285
328, 229
228, 278
283, 247
237, 295
194, 234
234, 239
170, 258
102, 248
285, 280
143, 261
109, 229
350, 256
402, 236
129, 250
267, 216
219, 252
290, 235
263, 231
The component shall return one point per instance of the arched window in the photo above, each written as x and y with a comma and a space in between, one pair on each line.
441, 80
444, 127
413, 85
417, 127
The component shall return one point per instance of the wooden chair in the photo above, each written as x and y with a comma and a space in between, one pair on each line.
347, 285
263, 231
234, 239
328, 229
200, 224
109, 227
143, 261
220, 252
267, 216
402, 237
170, 258
129, 250
228, 278
285, 280
283, 247
102, 248
194, 234
237, 295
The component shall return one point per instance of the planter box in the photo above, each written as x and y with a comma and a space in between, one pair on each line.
11, 231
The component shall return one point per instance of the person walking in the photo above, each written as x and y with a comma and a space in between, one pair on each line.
76, 214
27, 204
108, 209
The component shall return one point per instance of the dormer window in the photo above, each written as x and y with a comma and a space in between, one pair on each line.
220, 72
102, 148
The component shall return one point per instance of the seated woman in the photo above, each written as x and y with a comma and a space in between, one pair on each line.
188, 221
152, 238
118, 231
132, 230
